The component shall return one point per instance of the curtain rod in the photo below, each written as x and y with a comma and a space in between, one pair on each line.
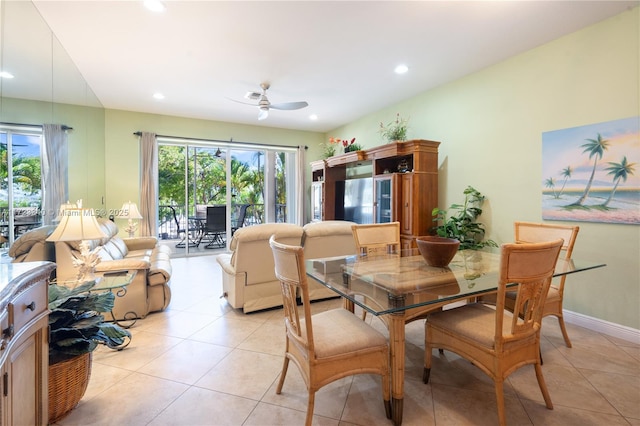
139, 133
64, 126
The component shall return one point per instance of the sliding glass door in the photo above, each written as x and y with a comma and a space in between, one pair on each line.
198, 181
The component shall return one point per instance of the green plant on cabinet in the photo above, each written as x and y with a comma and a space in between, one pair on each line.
395, 130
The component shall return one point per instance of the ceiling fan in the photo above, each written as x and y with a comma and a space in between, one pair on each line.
264, 105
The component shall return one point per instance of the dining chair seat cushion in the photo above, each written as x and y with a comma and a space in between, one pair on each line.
338, 331
475, 321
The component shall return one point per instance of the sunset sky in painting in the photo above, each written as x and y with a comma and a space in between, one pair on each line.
562, 148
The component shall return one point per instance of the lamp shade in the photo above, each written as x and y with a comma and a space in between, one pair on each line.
64, 207
77, 225
130, 210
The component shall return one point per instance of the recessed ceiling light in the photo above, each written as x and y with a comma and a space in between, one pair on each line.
158, 96
313, 117
154, 5
401, 69
6, 74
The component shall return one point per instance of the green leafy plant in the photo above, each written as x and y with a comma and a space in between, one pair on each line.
395, 130
328, 149
460, 221
76, 325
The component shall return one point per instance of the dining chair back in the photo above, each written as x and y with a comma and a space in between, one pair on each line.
329, 345
377, 238
495, 340
528, 232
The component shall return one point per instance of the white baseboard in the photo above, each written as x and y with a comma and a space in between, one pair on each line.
602, 326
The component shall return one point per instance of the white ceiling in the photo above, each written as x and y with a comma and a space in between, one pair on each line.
339, 56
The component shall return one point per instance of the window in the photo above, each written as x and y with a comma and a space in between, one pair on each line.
20, 180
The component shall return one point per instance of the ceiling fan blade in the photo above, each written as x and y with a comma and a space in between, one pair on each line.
264, 113
241, 102
289, 105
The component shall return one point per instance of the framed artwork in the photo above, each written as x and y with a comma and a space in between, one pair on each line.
592, 173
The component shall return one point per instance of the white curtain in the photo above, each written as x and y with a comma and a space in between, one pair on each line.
300, 186
55, 164
148, 184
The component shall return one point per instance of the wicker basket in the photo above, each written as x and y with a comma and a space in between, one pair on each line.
68, 381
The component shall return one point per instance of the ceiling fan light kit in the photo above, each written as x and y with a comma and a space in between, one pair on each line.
264, 105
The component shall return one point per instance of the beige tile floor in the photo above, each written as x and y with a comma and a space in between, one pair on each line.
202, 363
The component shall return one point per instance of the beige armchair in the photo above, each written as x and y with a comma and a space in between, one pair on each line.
326, 239
248, 275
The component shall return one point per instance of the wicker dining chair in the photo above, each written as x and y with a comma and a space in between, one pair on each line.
529, 232
494, 339
377, 238
329, 345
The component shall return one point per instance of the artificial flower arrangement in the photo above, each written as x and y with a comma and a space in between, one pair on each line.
396, 130
348, 146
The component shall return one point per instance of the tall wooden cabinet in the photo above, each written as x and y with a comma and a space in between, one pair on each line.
24, 344
405, 184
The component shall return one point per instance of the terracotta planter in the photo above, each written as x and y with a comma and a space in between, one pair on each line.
437, 251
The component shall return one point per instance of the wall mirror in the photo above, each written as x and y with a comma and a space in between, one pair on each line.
46, 87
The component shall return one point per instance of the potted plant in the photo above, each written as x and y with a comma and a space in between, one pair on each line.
348, 145
76, 328
395, 130
462, 225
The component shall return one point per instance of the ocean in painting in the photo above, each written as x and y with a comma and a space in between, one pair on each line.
624, 207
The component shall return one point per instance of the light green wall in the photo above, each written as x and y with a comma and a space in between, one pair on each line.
122, 159
86, 141
491, 123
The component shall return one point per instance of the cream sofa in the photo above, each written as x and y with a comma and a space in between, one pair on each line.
149, 291
248, 278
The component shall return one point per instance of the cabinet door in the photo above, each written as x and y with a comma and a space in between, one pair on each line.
407, 204
25, 377
384, 198
317, 203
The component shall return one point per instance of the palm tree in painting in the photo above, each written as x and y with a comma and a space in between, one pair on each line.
620, 171
549, 183
566, 173
595, 148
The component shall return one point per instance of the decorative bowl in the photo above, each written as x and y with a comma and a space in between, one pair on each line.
437, 251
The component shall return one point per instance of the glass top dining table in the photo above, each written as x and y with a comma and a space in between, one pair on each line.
401, 287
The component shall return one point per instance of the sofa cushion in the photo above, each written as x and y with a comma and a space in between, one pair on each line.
118, 243
328, 238
24, 243
262, 233
327, 228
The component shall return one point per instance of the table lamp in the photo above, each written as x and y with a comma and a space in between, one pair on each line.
130, 211
80, 225
64, 207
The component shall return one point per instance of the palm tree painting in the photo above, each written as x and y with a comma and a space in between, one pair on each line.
598, 167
